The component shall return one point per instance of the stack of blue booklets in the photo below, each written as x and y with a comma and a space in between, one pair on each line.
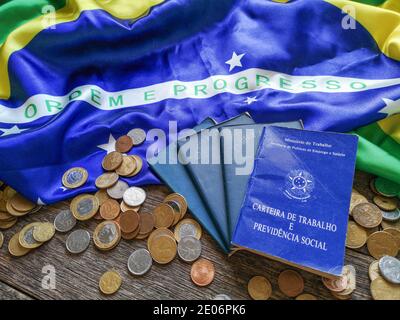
235, 176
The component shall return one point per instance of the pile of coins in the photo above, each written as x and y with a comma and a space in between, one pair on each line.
30, 237
344, 286
385, 278
13, 206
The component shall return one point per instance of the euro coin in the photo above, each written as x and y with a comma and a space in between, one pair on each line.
291, 283
356, 199
384, 290
74, 178
177, 211
356, 236
180, 199
102, 196
21, 204
78, 241
43, 232
163, 215
386, 204
84, 207
367, 215
139, 165
373, 270
117, 190
106, 180
112, 161
8, 224
189, 249
110, 282
390, 224
138, 136
107, 235
64, 221
1, 239
163, 249
127, 167
129, 221
26, 238
139, 262
15, 248
396, 234
134, 196
124, 144
187, 227
306, 296
146, 223
110, 209
391, 216
389, 268
386, 187
202, 272
380, 244
259, 288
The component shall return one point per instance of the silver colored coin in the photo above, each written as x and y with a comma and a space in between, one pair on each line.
1, 239
138, 136
134, 196
389, 268
139, 262
189, 249
78, 241
222, 296
391, 216
187, 230
108, 233
28, 236
64, 221
117, 191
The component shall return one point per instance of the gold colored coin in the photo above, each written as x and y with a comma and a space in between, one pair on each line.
124, 207
84, 207
21, 204
8, 224
177, 211
110, 282
1, 239
291, 283
106, 180
112, 161
386, 204
8, 193
43, 232
102, 196
159, 232
164, 215
381, 244
3, 203
15, 248
306, 296
373, 270
26, 238
75, 178
13, 212
127, 167
396, 234
107, 235
181, 200
139, 165
259, 288
367, 215
163, 249
356, 199
386, 224
5, 216
187, 227
356, 236
384, 290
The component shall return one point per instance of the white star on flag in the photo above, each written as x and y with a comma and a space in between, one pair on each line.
110, 146
63, 188
40, 202
250, 100
391, 107
235, 61
12, 130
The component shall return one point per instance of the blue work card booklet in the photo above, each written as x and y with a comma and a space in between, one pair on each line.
297, 203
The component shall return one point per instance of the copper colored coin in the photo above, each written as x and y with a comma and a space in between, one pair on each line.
112, 161
102, 196
177, 211
20, 203
336, 285
125, 207
142, 236
146, 223
159, 232
109, 210
130, 236
127, 167
367, 215
164, 215
291, 283
124, 144
381, 244
386, 204
129, 221
202, 272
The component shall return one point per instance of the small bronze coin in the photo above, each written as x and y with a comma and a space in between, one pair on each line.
112, 161
291, 283
306, 296
159, 232
84, 207
163, 249
130, 236
142, 236
356, 199
110, 282
125, 207
102, 196
127, 167
129, 221
164, 215
389, 224
110, 209
396, 234
367, 215
386, 204
124, 144
21, 204
259, 288
15, 248
381, 244
356, 235
202, 272
180, 199
384, 290
146, 223
106, 180
4, 216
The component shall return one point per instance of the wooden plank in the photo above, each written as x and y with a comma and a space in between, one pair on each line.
9, 293
77, 275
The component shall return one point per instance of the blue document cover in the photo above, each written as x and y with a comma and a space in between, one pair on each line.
297, 203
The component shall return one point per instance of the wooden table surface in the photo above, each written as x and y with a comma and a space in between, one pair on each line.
77, 276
